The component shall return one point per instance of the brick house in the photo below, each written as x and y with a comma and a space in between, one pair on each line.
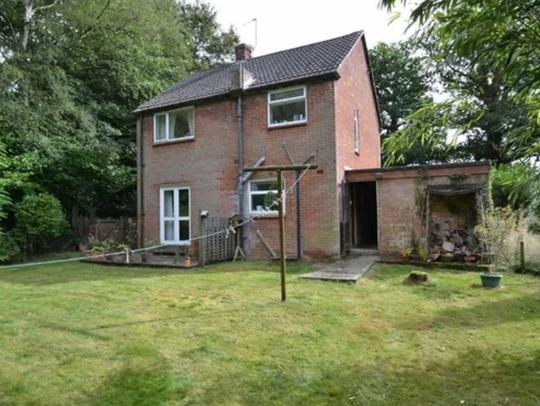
316, 102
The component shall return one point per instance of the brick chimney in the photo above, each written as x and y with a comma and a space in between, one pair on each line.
243, 52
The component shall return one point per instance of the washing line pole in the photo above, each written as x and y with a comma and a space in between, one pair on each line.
279, 169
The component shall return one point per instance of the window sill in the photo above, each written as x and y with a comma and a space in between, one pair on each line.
286, 125
264, 215
174, 141
177, 244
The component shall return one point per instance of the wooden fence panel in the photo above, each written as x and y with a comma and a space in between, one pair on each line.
218, 247
119, 230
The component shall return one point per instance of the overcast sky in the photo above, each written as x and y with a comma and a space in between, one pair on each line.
285, 24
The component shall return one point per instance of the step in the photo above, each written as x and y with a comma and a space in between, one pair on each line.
364, 251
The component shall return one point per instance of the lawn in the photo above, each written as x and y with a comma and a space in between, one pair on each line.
90, 334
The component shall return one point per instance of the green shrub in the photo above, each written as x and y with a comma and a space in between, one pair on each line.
39, 217
517, 186
9, 249
500, 233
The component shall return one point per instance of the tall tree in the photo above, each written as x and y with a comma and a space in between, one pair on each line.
503, 34
71, 73
469, 44
401, 81
480, 118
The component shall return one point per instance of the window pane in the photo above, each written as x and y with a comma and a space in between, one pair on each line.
264, 185
263, 202
184, 230
286, 94
288, 112
181, 123
168, 230
168, 203
161, 124
183, 197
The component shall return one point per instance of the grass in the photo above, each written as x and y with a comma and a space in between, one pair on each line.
89, 334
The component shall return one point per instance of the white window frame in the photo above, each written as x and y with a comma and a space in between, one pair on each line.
176, 218
168, 130
270, 213
356, 131
271, 103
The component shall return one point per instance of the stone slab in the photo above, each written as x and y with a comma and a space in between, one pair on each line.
349, 269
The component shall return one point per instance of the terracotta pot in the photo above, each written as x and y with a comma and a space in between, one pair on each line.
187, 262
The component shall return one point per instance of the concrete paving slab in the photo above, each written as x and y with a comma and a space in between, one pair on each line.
349, 269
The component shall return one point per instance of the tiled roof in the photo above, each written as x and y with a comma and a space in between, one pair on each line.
305, 62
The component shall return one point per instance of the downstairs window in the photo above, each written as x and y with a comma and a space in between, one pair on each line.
263, 196
175, 222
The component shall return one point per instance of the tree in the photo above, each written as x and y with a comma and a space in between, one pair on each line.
72, 72
500, 124
486, 53
209, 44
401, 81
480, 112
503, 34
517, 186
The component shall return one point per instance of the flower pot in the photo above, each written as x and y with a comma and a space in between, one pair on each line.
187, 262
491, 280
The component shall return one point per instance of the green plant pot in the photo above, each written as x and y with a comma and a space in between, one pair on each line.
491, 280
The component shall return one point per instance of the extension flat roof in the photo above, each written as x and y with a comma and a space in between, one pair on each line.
413, 171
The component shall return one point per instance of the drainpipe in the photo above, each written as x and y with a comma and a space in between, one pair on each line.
298, 221
240, 147
140, 182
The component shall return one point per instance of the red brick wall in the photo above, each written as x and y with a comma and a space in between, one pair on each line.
398, 211
318, 213
207, 165
353, 91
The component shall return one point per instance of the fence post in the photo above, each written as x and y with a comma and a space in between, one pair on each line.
202, 243
522, 255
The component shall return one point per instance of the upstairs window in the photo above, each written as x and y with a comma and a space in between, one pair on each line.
287, 106
174, 125
356, 131
263, 196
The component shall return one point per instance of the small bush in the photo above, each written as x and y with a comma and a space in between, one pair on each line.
9, 249
500, 234
39, 218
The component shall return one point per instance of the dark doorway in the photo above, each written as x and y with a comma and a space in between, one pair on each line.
364, 214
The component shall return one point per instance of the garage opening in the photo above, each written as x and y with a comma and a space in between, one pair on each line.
364, 214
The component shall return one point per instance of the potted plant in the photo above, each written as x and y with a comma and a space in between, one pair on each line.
491, 279
498, 233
